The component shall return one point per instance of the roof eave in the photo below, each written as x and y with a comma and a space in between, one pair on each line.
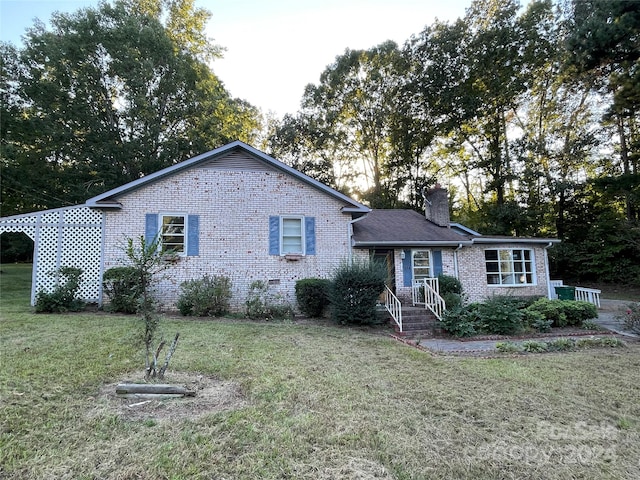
105, 197
429, 243
490, 240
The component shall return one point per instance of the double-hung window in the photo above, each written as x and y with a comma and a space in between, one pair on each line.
511, 267
173, 234
292, 236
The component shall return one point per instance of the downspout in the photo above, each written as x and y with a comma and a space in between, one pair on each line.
455, 261
546, 270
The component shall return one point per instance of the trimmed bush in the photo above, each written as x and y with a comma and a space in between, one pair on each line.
535, 320
312, 295
123, 288
577, 312
63, 298
460, 321
206, 297
564, 313
551, 310
355, 290
500, 315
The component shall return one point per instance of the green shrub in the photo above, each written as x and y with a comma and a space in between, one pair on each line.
355, 290
508, 347
577, 312
63, 298
123, 288
612, 342
533, 346
535, 320
263, 304
631, 317
451, 291
500, 315
449, 284
452, 300
551, 310
460, 321
591, 325
205, 297
561, 344
312, 295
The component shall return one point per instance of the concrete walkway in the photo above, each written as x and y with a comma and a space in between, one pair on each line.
607, 314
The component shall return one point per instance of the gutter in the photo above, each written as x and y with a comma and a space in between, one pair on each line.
455, 261
390, 243
546, 269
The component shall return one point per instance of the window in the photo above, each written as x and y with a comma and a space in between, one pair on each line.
172, 233
421, 264
509, 267
292, 236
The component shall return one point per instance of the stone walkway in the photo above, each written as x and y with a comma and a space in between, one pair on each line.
606, 319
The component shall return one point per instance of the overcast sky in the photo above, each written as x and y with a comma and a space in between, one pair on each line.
275, 47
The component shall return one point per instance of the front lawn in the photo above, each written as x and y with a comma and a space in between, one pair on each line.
313, 401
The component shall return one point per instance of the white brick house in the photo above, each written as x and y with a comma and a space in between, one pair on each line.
238, 212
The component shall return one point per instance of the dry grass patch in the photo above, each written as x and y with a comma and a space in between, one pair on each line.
310, 402
211, 396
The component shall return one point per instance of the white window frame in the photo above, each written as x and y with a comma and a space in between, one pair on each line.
161, 233
413, 264
283, 218
511, 272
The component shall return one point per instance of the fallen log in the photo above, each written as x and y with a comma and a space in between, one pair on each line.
153, 389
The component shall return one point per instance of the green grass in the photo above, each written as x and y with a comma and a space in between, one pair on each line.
320, 402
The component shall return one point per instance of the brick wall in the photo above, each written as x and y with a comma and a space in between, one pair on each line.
473, 274
234, 208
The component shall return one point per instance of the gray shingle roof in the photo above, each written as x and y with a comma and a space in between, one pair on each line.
402, 228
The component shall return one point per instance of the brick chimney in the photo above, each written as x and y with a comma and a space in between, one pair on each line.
436, 206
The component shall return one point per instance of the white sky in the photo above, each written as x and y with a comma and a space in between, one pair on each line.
274, 48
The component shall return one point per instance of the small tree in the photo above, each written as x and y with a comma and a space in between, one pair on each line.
146, 260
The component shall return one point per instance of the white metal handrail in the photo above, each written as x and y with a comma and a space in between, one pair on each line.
427, 292
591, 295
393, 306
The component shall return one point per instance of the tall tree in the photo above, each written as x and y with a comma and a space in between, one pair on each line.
105, 97
605, 43
353, 104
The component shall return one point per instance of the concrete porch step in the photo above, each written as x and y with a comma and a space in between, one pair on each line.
416, 321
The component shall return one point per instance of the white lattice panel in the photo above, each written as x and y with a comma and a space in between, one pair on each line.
46, 258
29, 230
82, 216
66, 237
81, 248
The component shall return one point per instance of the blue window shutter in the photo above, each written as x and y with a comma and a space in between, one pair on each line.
310, 235
437, 262
407, 274
193, 235
150, 228
274, 235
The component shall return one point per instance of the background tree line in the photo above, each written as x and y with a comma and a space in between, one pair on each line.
529, 115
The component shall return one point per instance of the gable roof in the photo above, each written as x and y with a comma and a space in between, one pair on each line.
109, 199
408, 228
